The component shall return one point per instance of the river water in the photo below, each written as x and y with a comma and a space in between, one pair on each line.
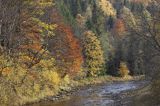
113, 94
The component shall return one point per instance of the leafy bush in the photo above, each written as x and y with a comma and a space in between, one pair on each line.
8, 94
51, 76
23, 84
123, 69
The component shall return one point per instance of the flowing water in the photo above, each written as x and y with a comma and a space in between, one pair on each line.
113, 94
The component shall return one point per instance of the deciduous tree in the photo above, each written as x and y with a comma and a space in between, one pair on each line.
93, 54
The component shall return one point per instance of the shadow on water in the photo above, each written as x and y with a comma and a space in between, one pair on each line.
103, 95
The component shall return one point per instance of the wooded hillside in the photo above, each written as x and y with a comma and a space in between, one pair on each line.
47, 44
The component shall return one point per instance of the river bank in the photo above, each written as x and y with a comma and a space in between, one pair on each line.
83, 84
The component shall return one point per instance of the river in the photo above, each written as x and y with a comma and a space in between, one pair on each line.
113, 94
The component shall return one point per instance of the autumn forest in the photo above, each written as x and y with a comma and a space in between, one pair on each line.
55, 47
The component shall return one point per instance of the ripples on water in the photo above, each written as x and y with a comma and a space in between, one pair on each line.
103, 95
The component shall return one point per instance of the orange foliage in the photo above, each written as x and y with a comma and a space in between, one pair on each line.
119, 27
66, 48
6, 71
32, 45
35, 47
30, 39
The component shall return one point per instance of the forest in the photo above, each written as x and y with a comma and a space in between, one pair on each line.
51, 47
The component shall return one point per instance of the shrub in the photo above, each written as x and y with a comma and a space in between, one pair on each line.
66, 79
23, 84
123, 69
51, 76
8, 94
45, 64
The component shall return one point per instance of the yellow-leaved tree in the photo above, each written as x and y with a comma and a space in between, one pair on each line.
106, 7
93, 54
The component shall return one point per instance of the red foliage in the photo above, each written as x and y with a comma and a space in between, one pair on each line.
66, 48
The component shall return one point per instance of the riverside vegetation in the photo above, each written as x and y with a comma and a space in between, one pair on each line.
51, 46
